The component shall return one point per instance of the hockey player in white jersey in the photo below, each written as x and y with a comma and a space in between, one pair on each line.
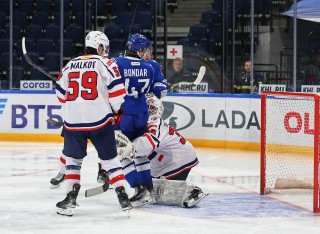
92, 91
136, 111
171, 158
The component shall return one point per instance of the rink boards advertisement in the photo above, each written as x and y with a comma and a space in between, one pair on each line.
215, 120
207, 120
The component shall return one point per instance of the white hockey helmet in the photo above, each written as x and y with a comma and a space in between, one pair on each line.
155, 107
96, 40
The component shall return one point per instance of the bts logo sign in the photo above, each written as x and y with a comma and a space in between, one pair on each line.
30, 114
269, 87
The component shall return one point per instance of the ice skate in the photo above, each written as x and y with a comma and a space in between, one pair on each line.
66, 206
123, 198
141, 196
102, 177
56, 181
195, 196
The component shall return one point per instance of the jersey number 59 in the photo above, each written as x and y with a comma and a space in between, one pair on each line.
88, 82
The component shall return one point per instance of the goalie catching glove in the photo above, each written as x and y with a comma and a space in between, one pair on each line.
125, 148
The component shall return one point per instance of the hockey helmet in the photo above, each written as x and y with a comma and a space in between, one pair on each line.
155, 107
96, 40
138, 43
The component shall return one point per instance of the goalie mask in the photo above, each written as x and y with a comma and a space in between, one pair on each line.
99, 41
155, 108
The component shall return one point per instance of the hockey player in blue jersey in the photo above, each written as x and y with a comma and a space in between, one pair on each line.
160, 85
134, 122
139, 78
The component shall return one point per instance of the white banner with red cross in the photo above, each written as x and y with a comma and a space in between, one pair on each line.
174, 51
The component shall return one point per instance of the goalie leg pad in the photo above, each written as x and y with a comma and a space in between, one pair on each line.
176, 193
169, 192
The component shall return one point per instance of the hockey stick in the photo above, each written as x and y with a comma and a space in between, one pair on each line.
133, 17
201, 73
200, 76
54, 123
27, 58
97, 190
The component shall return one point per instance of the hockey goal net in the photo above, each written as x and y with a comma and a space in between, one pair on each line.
290, 144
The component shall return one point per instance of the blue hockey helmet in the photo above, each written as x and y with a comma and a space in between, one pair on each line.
138, 42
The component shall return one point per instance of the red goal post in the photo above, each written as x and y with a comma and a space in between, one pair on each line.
290, 144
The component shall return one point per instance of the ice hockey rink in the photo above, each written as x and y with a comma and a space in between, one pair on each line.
27, 204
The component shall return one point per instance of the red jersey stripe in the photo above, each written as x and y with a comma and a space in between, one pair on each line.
90, 128
186, 168
117, 93
150, 140
62, 160
72, 177
117, 178
61, 100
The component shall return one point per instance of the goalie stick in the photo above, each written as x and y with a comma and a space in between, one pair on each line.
97, 190
199, 78
27, 58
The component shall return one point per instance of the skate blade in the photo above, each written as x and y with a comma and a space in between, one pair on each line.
193, 202
101, 182
128, 213
54, 186
66, 212
127, 208
143, 201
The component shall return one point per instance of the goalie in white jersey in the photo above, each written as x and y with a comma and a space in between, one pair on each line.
92, 91
171, 158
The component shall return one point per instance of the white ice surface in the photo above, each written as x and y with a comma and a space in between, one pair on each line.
27, 204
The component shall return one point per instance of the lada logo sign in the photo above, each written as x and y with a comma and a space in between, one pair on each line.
171, 112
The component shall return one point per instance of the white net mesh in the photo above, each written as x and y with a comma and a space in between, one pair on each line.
289, 138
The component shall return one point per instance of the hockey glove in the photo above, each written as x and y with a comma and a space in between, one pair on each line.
160, 89
126, 152
125, 148
121, 139
118, 116
174, 87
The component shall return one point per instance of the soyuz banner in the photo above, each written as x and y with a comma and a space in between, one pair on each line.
36, 85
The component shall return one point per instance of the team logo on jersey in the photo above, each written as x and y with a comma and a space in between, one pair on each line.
171, 112
135, 63
85, 57
3, 102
